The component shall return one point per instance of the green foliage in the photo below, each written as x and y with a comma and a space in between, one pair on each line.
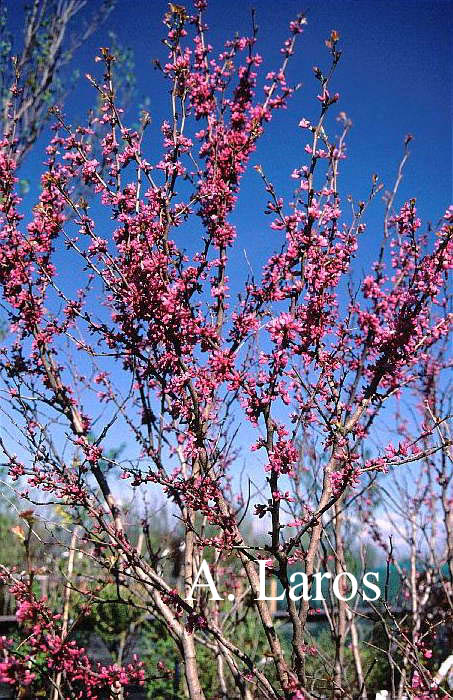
114, 618
158, 646
319, 668
8, 540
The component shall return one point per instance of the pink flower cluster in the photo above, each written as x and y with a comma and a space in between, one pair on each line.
47, 652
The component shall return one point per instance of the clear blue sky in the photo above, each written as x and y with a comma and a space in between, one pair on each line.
395, 77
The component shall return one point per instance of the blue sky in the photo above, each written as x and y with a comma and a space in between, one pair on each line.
394, 78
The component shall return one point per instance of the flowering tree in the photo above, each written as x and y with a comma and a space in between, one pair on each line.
418, 510
153, 341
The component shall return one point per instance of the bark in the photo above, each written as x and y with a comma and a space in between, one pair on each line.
56, 693
340, 632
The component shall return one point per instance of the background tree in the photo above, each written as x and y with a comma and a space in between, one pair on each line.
31, 75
